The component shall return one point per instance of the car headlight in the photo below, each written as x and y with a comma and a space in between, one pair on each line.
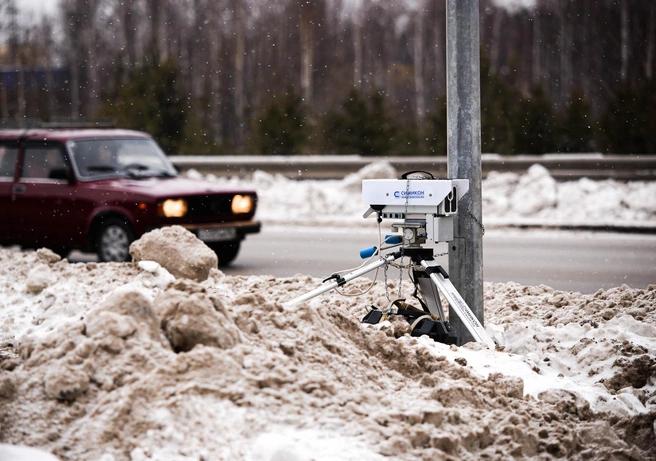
242, 204
172, 208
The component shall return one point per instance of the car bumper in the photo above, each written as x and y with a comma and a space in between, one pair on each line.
224, 232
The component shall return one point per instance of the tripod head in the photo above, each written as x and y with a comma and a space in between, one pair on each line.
424, 206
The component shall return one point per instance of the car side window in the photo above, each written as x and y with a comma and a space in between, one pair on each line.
41, 161
8, 156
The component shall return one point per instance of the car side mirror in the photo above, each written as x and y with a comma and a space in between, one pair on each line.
63, 174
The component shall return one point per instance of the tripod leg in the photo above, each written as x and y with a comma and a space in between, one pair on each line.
438, 275
346, 278
431, 295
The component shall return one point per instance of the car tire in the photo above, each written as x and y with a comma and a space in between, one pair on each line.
226, 252
63, 252
113, 241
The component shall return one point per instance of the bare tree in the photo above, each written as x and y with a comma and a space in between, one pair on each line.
439, 33
91, 64
21, 62
47, 34
495, 47
651, 39
388, 64
418, 58
198, 49
536, 46
240, 50
587, 48
565, 45
155, 16
9, 26
358, 19
127, 12
306, 21
625, 39
72, 30
237, 55
215, 40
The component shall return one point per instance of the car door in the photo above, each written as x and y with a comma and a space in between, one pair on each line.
8, 164
43, 197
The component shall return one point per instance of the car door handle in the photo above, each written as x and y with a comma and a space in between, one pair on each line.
18, 189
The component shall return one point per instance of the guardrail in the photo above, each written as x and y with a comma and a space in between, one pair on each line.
561, 166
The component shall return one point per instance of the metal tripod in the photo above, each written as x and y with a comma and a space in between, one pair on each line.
428, 276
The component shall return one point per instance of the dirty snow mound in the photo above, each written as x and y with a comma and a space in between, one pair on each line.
177, 250
107, 363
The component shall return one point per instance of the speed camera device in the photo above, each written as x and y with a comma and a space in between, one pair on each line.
422, 209
422, 205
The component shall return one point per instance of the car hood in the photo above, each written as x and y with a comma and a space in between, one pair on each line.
163, 187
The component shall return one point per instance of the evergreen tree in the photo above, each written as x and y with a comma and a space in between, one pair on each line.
198, 138
406, 139
499, 113
536, 130
629, 124
152, 101
576, 132
362, 127
436, 137
283, 128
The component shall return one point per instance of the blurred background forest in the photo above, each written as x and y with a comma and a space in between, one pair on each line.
335, 76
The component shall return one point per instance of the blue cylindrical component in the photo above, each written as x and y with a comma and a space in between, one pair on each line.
393, 239
368, 252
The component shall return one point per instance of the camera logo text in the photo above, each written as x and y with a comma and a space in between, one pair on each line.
418, 194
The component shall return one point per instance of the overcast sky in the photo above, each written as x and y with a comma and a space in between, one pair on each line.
37, 7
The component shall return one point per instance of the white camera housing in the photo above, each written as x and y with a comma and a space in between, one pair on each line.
426, 204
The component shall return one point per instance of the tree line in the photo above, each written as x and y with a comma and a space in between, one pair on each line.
335, 76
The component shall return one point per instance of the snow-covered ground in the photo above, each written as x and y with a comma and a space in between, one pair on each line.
92, 367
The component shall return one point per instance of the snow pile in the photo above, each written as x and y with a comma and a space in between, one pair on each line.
177, 250
117, 362
509, 199
537, 199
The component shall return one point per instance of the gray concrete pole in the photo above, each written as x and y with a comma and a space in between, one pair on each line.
464, 154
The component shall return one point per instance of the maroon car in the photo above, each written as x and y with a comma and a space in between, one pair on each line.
98, 190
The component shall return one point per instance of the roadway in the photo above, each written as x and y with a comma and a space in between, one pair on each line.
564, 260
580, 261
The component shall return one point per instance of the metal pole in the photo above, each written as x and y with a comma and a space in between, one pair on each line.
464, 154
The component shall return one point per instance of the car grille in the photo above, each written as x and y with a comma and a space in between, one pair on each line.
208, 206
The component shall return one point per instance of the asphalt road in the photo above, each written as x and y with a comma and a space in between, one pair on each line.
564, 260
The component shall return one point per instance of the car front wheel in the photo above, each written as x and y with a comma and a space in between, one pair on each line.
113, 241
63, 252
226, 252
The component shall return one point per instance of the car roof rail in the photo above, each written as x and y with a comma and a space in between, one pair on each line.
58, 123
73, 122
23, 123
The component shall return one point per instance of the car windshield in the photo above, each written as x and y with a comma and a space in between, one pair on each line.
120, 157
